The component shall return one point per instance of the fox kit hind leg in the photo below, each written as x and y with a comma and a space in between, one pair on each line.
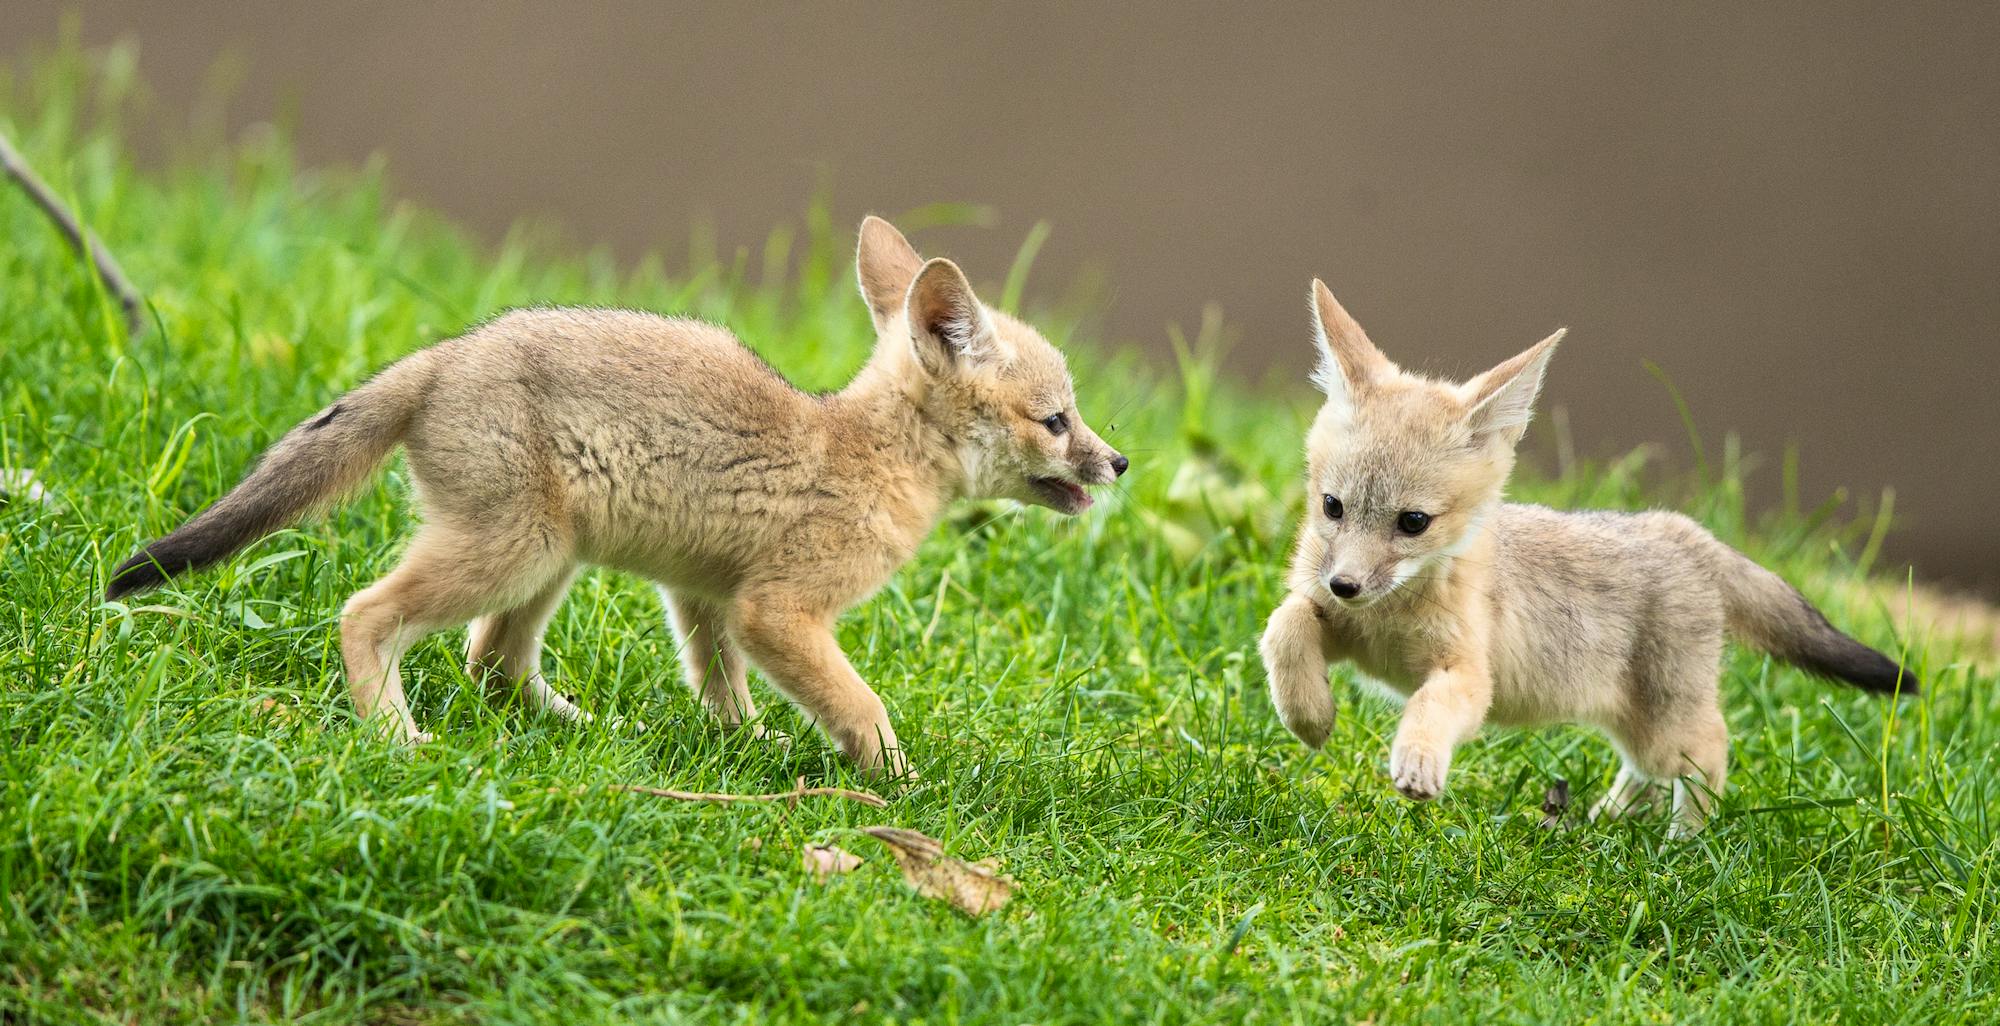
1672, 735
712, 661
1687, 751
1632, 793
448, 577
505, 650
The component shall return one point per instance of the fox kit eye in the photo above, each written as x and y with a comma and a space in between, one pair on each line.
1334, 510
1056, 423
1413, 522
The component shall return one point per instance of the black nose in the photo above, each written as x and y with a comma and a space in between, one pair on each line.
1344, 587
1118, 465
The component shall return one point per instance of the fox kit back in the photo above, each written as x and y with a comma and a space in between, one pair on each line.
1409, 565
549, 439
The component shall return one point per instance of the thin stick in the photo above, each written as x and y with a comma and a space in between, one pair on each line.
792, 795
82, 239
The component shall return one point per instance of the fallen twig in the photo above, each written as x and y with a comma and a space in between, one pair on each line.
83, 239
792, 795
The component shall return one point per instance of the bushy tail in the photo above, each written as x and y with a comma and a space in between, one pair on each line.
314, 465
1766, 612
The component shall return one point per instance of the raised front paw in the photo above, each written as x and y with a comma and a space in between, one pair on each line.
1418, 772
1297, 673
1311, 723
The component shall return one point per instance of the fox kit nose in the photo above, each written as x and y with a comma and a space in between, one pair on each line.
1344, 587
1118, 465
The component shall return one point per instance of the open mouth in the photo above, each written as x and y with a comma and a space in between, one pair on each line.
1061, 495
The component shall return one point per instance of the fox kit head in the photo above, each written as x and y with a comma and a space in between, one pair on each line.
1402, 469
994, 385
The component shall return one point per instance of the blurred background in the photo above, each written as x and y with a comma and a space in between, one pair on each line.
1792, 211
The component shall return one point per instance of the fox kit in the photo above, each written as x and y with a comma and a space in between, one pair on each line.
553, 438
1467, 608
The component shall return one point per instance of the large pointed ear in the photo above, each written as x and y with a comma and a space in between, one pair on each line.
1502, 400
885, 263
1347, 360
948, 326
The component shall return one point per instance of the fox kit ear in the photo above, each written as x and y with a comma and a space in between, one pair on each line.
1503, 399
1347, 360
885, 263
948, 326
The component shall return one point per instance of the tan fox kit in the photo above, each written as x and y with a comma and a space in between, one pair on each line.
552, 438
1469, 609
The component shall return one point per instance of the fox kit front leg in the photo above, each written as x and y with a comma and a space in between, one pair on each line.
793, 643
1295, 659
1446, 710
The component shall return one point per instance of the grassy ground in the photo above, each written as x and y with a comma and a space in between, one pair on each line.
192, 827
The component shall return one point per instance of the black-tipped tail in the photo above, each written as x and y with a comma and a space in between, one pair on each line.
140, 573
1771, 614
220, 531
313, 465
1825, 651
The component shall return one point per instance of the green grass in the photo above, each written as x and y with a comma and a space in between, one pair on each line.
193, 827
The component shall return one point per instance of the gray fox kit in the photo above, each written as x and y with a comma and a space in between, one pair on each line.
1470, 609
552, 438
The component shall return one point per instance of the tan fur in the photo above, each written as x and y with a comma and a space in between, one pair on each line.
1511, 613
552, 438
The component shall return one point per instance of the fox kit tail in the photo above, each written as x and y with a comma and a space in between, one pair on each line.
1764, 611
310, 468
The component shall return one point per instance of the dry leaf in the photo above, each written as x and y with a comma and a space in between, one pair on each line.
825, 860
1554, 804
974, 888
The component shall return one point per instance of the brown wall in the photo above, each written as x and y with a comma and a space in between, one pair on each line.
1791, 209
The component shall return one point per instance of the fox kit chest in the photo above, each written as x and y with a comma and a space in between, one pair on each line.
1392, 662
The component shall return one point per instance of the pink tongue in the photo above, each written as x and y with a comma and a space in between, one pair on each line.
1082, 497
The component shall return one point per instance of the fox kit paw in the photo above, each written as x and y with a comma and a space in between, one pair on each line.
562, 707
754, 730
1418, 772
1310, 728
888, 766
405, 733
1297, 672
